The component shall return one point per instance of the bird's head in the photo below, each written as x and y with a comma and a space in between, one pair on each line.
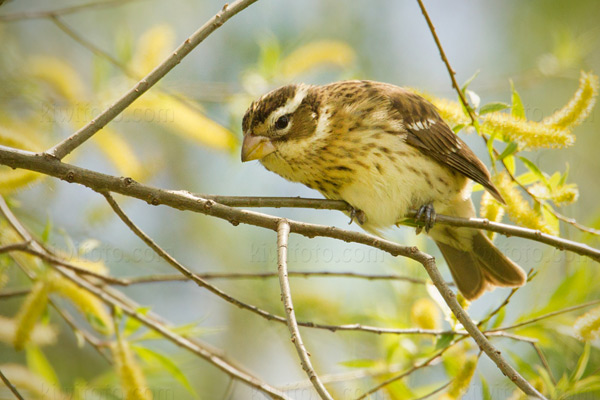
275, 123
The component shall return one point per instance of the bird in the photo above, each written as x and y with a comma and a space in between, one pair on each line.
384, 150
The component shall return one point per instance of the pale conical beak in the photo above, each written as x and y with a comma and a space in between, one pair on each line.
256, 147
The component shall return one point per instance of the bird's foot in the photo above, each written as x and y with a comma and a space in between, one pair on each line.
426, 217
359, 215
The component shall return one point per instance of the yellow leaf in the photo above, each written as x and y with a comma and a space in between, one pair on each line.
129, 372
152, 48
30, 312
186, 122
119, 153
41, 335
59, 76
315, 54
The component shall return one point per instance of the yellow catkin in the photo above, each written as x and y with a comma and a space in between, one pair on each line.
87, 303
30, 312
59, 76
41, 335
587, 326
425, 314
491, 210
315, 54
580, 105
519, 210
560, 196
528, 134
133, 382
152, 48
460, 383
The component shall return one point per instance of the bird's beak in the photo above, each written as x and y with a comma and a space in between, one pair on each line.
256, 147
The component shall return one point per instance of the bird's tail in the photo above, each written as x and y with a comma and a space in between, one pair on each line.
481, 267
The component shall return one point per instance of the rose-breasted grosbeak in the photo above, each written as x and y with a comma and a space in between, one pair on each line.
384, 150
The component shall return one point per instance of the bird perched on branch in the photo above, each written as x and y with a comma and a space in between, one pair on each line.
384, 150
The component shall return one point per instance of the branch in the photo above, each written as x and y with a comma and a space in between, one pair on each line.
283, 234
10, 386
193, 346
61, 11
451, 72
184, 200
262, 275
129, 308
71, 143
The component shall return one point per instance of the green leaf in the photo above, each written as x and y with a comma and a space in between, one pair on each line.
359, 363
153, 357
48, 229
509, 150
518, 111
39, 365
493, 107
458, 128
563, 178
582, 363
444, 341
534, 169
499, 317
468, 81
509, 162
554, 180
528, 178
270, 54
490, 146
131, 326
485, 389
477, 188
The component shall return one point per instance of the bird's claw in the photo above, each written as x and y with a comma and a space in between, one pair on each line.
359, 215
425, 216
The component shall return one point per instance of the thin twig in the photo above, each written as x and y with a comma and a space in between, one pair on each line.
75, 140
409, 371
435, 391
283, 234
544, 362
13, 293
545, 316
263, 275
61, 11
451, 71
10, 386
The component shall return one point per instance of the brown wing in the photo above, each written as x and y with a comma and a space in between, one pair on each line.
428, 132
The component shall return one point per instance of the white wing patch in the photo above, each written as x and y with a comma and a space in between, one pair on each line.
421, 125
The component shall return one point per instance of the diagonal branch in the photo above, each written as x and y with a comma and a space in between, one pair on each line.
75, 140
10, 386
283, 234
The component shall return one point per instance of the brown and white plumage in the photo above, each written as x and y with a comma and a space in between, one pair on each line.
384, 150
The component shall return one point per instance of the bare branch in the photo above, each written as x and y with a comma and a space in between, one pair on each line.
71, 143
184, 200
10, 386
62, 11
283, 234
262, 275
545, 316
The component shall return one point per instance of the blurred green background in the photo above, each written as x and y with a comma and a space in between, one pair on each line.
540, 45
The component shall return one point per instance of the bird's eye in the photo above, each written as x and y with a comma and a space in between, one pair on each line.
282, 122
